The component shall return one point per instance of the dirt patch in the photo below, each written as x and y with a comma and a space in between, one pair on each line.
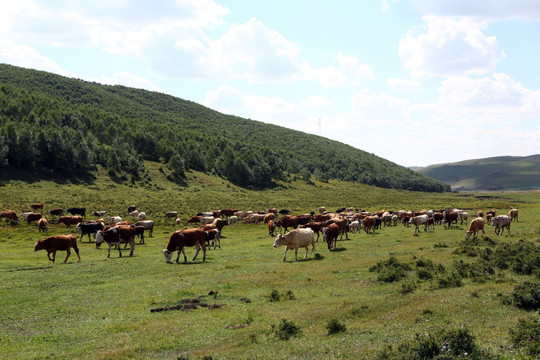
188, 305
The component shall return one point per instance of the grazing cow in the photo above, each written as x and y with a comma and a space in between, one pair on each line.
134, 214
492, 212
69, 220
52, 244
501, 222
513, 215
141, 216
316, 226
77, 211
463, 216
330, 234
116, 235
343, 225
233, 220
214, 235
368, 224
56, 212
480, 214
89, 228
171, 214
113, 220
419, 220
449, 217
37, 206
24, 215
131, 208
100, 213
476, 225
43, 225
254, 218
294, 239
33, 217
187, 237
10, 216
147, 225
177, 221
271, 227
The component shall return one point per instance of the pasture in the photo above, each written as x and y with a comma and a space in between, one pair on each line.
142, 307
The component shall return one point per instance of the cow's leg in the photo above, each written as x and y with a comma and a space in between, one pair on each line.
68, 252
305, 255
119, 250
285, 254
204, 253
49, 256
109, 251
197, 249
132, 244
296, 254
53, 255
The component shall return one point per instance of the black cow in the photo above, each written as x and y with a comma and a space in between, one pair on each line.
77, 211
89, 228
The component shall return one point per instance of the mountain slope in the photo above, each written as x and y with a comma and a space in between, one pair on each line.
496, 173
53, 123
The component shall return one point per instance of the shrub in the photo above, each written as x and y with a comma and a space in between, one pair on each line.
526, 296
286, 329
450, 280
408, 287
275, 295
334, 327
527, 336
390, 270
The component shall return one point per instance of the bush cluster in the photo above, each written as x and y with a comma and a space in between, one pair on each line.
286, 329
526, 335
390, 270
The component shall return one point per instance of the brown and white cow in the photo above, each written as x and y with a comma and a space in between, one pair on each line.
295, 239
115, 236
43, 225
58, 242
419, 220
187, 237
56, 212
475, 226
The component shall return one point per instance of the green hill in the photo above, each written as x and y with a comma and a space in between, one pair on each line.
496, 173
53, 124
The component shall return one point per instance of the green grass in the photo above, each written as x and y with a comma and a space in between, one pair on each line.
100, 308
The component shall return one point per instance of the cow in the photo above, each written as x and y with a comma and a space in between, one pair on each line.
139, 231
43, 225
270, 216
316, 226
330, 234
321, 209
187, 237
430, 223
227, 212
284, 212
24, 215
271, 227
56, 212
116, 235
476, 225
77, 211
492, 212
220, 224
354, 226
214, 235
37, 206
294, 239
254, 219
177, 222
10, 216
386, 218
322, 217
513, 215
33, 217
99, 213
419, 220
480, 214
233, 220
171, 214
113, 220
141, 216
286, 221
89, 228
449, 217
395, 219
463, 216
438, 217
343, 225
488, 218
134, 214
195, 219
69, 220
147, 225
54, 243
500, 222
131, 208
368, 223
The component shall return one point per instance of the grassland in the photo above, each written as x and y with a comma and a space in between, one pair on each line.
100, 308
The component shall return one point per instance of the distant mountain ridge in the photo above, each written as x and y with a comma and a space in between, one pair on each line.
495, 173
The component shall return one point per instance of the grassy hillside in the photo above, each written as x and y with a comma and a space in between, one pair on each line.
496, 173
50, 123
393, 293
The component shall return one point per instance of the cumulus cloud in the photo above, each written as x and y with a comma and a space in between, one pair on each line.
404, 84
316, 101
348, 71
449, 48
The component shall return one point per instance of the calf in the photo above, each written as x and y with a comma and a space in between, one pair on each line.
89, 228
476, 225
115, 236
187, 237
58, 242
43, 225
294, 239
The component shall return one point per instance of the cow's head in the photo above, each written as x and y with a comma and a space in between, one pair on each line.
468, 234
168, 255
99, 238
279, 238
39, 246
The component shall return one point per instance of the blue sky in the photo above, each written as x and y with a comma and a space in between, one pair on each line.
417, 82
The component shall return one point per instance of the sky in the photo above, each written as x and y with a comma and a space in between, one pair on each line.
417, 82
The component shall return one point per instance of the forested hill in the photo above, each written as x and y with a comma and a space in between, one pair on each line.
50, 123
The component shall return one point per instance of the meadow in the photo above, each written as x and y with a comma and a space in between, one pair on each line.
252, 301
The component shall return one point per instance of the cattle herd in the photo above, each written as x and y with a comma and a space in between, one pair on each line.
209, 226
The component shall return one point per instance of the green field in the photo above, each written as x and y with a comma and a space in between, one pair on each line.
101, 308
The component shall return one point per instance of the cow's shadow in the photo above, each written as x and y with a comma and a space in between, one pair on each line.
339, 249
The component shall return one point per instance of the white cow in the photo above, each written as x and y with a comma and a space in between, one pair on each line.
500, 222
134, 213
463, 216
419, 220
141, 216
233, 220
147, 225
113, 220
294, 239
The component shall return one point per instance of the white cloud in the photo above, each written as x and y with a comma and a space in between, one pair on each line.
450, 47
316, 101
404, 84
482, 10
349, 72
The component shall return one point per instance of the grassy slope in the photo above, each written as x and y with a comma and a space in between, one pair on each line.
497, 173
100, 308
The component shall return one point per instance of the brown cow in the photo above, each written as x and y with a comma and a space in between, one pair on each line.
43, 225
187, 237
267, 217
56, 212
321, 217
476, 225
33, 217
368, 223
287, 221
449, 218
58, 242
330, 234
271, 227
315, 226
513, 214
227, 212
70, 220
10, 216
37, 206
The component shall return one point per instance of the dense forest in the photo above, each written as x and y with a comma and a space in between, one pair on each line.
50, 123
